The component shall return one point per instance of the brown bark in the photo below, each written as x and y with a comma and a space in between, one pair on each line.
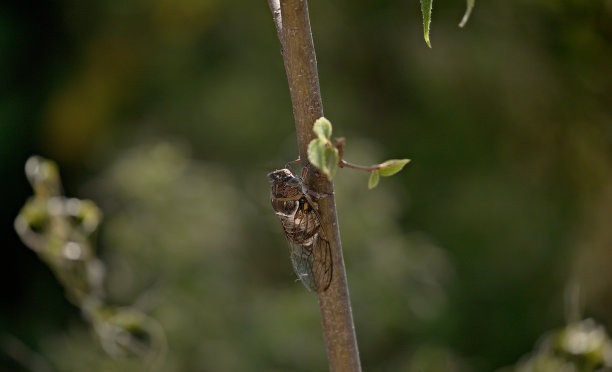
293, 25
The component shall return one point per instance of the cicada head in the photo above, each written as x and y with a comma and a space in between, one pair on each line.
284, 177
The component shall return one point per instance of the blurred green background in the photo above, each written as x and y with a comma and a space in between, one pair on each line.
168, 114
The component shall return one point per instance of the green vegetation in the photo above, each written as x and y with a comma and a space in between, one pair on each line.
327, 156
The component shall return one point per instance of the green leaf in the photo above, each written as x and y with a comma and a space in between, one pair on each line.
468, 11
323, 156
390, 167
331, 161
373, 181
426, 9
322, 128
316, 153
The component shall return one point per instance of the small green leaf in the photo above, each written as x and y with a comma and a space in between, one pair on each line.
323, 156
316, 152
426, 9
322, 128
468, 11
373, 181
331, 161
390, 167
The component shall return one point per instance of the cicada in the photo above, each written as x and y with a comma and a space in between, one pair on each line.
309, 247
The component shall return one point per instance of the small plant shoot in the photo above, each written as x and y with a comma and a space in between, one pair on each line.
321, 152
426, 6
468, 11
327, 156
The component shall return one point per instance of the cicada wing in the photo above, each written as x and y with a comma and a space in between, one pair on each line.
309, 248
302, 261
314, 261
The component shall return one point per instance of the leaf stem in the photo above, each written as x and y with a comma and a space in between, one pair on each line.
343, 163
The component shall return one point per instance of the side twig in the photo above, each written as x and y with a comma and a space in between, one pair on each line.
345, 164
293, 27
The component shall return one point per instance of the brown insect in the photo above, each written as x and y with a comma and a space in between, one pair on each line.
309, 247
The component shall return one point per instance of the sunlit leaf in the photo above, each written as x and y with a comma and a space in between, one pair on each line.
373, 181
322, 128
426, 9
316, 153
468, 11
390, 167
331, 161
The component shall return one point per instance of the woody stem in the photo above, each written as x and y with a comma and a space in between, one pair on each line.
293, 26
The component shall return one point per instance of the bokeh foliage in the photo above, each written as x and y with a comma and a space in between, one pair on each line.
168, 114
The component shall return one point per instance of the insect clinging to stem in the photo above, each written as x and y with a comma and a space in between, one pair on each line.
309, 246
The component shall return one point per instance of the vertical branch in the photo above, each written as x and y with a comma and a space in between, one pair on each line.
301, 67
293, 26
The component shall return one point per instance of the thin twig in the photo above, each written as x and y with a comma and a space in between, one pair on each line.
301, 68
343, 163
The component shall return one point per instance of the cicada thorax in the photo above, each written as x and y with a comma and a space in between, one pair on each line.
285, 199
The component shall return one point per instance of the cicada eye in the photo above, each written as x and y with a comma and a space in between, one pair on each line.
275, 176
